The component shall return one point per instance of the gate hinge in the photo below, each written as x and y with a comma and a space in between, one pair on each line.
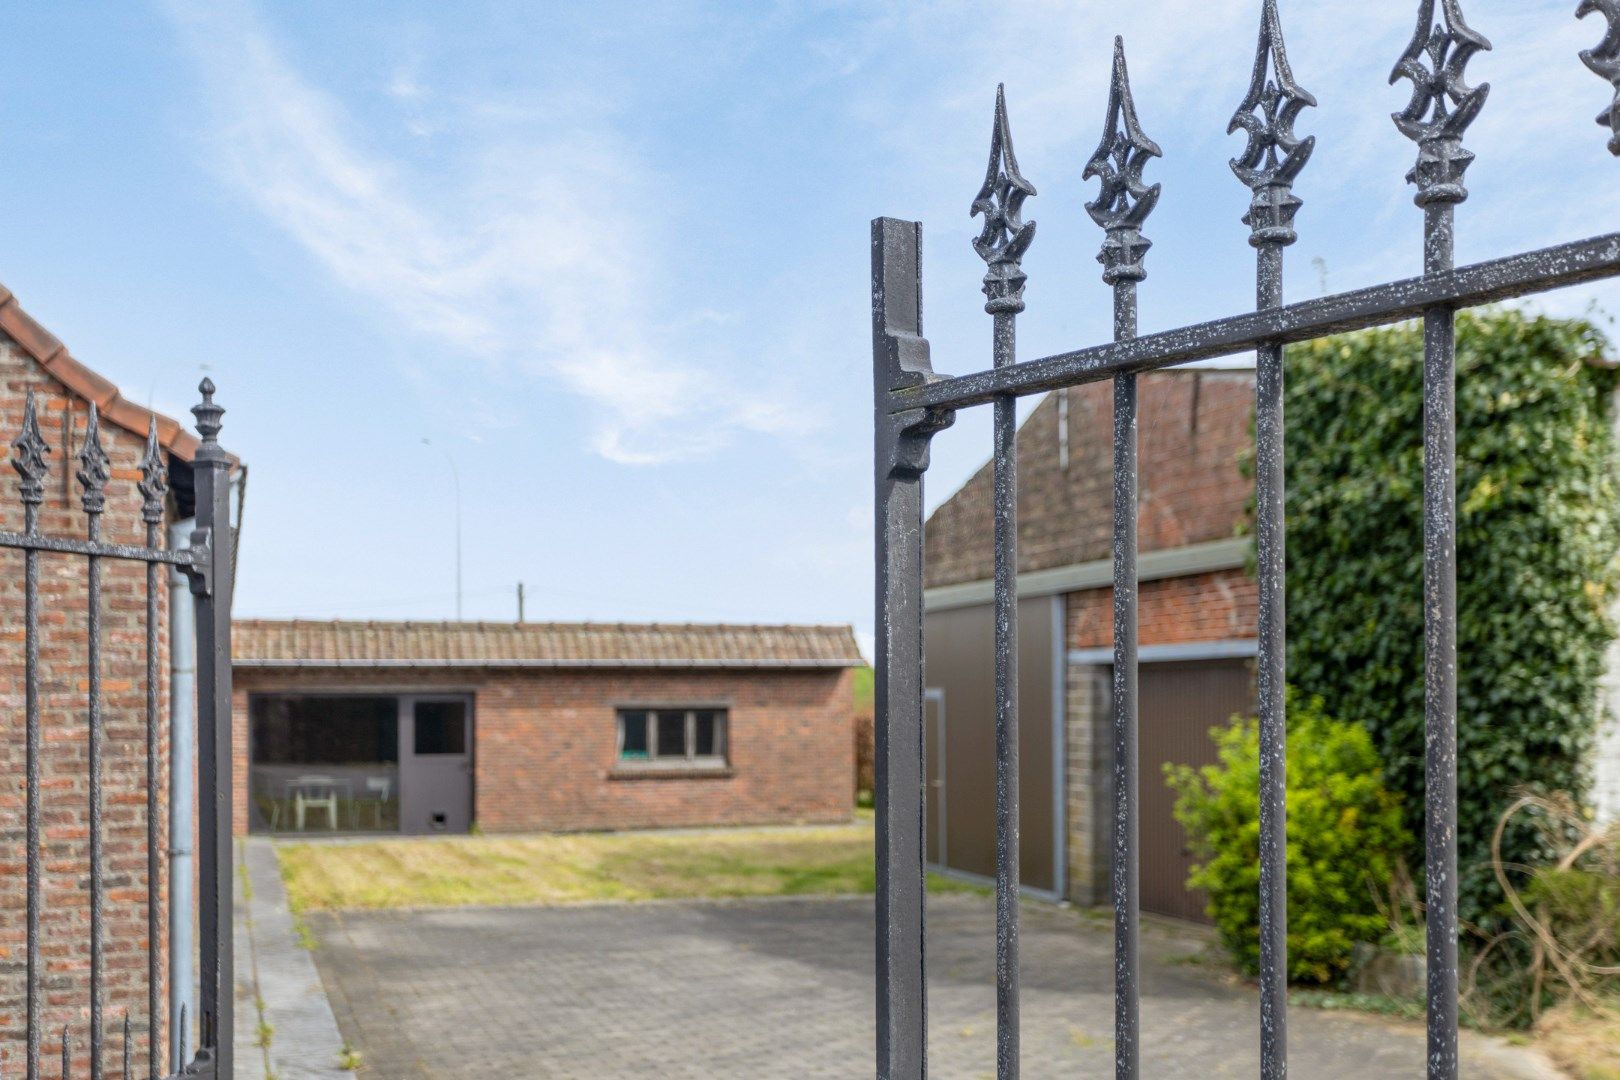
200, 570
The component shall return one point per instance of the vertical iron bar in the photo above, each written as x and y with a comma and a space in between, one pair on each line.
1121, 208
899, 358
1443, 105
31, 708
1127, 868
1002, 242
1006, 646
97, 886
1440, 647
153, 487
1270, 163
1271, 675
213, 589
153, 861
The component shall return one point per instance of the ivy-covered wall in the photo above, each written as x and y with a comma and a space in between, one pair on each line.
1538, 528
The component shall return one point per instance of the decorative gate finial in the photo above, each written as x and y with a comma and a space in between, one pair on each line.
1275, 155
207, 413
94, 468
1443, 105
1125, 201
28, 452
154, 483
1006, 236
1604, 60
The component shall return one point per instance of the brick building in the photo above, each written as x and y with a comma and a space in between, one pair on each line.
1197, 631
32, 359
432, 727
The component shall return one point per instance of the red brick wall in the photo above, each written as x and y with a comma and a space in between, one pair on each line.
63, 688
545, 744
1192, 425
1219, 606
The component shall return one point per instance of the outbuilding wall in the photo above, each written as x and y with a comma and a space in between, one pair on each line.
545, 743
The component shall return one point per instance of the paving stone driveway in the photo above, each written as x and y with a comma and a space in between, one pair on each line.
783, 988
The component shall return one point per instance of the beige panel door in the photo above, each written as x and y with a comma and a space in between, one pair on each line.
1179, 704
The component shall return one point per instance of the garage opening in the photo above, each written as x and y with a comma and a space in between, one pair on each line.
359, 763
1178, 704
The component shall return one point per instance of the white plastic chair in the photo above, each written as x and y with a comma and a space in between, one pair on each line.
314, 793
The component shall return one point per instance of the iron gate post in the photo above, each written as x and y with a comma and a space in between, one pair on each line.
900, 359
211, 584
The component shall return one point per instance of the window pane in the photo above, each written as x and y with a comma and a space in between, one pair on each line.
707, 740
672, 734
634, 738
441, 727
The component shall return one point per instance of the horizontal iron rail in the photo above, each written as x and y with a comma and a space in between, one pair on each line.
1469, 286
68, 546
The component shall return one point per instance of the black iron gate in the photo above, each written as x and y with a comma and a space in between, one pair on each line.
913, 403
207, 563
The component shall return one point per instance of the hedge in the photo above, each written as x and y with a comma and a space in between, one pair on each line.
1538, 530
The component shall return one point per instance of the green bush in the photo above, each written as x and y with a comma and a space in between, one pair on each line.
1538, 522
1345, 839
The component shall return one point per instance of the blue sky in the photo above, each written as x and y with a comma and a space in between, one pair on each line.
612, 257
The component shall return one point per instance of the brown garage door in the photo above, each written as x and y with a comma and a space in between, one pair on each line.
1180, 702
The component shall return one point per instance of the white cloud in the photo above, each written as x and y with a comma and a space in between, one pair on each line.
537, 259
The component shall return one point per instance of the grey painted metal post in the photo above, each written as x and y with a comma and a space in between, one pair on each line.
211, 585
899, 359
1002, 244
1270, 163
1443, 105
1121, 207
182, 803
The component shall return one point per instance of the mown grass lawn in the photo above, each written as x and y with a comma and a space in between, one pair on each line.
501, 870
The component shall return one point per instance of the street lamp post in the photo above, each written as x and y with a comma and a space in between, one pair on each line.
455, 475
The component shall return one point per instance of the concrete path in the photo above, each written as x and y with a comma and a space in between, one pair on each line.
284, 1025
783, 988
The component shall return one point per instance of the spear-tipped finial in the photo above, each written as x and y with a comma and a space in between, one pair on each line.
1125, 201
1604, 60
1275, 155
154, 483
207, 413
1006, 236
94, 468
28, 452
1443, 104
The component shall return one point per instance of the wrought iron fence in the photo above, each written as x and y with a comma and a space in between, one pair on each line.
207, 563
913, 403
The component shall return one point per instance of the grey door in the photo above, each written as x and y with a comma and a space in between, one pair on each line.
435, 764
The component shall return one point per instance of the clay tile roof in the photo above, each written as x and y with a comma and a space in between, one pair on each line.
273, 643
54, 357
